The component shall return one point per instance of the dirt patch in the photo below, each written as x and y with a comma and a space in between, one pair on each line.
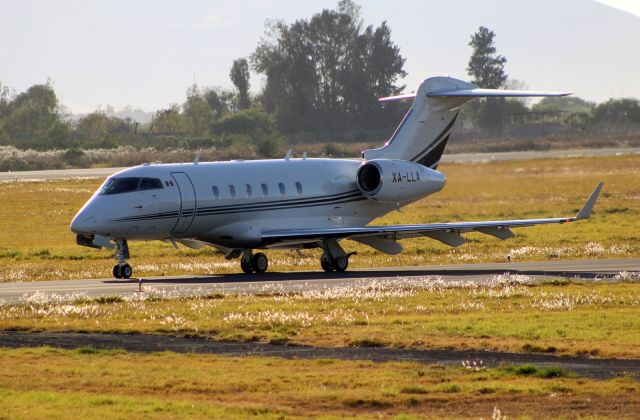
583, 366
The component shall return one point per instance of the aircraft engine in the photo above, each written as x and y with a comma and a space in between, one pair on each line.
397, 181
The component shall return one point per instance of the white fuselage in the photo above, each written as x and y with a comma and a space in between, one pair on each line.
231, 203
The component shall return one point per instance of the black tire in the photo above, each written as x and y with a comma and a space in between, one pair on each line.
126, 271
260, 263
246, 266
326, 265
117, 271
340, 264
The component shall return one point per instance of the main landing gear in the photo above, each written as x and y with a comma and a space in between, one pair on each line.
329, 264
254, 263
334, 257
122, 270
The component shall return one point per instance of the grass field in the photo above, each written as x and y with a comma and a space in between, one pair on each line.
36, 243
87, 383
510, 313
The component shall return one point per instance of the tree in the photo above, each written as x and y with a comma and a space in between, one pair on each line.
32, 114
169, 121
94, 126
240, 77
487, 70
618, 111
220, 102
571, 104
197, 113
326, 73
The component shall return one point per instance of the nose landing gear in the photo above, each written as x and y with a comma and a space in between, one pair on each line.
122, 270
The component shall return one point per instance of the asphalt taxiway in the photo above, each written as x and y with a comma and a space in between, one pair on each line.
312, 280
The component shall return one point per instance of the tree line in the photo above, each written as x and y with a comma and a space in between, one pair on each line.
323, 77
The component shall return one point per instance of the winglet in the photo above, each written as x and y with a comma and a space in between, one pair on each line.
585, 211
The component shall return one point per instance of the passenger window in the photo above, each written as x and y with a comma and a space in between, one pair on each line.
248, 190
299, 188
150, 184
265, 190
232, 191
283, 191
216, 192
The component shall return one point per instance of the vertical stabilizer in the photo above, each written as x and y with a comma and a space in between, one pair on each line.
423, 133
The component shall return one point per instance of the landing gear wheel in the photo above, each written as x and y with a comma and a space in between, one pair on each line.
117, 271
341, 263
326, 265
246, 266
126, 271
260, 262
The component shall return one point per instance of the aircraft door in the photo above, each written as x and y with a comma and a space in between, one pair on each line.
188, 202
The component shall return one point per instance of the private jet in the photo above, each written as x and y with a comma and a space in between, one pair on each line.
297, 203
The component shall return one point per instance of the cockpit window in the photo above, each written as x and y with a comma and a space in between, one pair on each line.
150, 184
125, 185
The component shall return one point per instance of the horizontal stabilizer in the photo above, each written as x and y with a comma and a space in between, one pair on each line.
397, 98
498, 93
476, 93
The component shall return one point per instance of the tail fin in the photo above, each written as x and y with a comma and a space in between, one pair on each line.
423, 133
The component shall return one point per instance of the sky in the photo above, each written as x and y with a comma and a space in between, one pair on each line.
146, 53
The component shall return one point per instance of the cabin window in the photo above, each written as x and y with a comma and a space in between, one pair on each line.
283, 191
265, 190
247, 188
232, 191
215, 191
299, 188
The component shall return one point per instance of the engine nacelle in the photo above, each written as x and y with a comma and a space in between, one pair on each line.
397, 181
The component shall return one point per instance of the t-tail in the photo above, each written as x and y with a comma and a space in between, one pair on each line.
423, 133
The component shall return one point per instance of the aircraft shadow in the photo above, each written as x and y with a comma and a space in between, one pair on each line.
374, 274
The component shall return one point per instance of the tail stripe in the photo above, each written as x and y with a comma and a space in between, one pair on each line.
439, 138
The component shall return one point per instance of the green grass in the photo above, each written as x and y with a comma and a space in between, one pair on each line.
508, 314
167, 385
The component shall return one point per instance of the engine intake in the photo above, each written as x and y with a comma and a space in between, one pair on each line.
396, 181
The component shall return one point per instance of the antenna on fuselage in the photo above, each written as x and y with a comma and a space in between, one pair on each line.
196, 159
289, 154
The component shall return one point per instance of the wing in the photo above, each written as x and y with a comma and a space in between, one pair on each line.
383, 237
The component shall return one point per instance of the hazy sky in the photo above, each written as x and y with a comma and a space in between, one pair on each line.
145, 53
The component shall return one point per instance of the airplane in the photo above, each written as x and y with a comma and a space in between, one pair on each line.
297, 203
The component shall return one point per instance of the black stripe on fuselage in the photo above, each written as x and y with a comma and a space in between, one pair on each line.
277, 204
274, 205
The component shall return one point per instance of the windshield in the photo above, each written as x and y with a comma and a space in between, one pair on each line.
125, 185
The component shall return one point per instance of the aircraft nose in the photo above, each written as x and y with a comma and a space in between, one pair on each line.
84, 222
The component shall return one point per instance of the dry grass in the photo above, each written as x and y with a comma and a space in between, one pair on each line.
109, 384
36, 244
508, 313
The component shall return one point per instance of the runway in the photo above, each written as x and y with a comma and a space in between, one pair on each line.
447, 158
589, 270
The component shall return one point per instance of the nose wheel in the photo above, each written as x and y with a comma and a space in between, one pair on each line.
122, 270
